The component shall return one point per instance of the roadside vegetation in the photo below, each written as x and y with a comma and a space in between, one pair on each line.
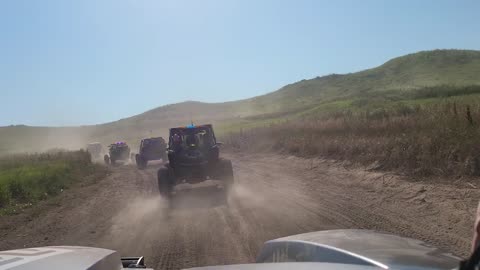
432, 131
417, 113
28, 178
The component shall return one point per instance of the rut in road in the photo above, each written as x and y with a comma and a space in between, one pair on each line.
274, 196
201, 230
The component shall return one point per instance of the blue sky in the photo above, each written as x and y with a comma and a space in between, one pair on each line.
94, 61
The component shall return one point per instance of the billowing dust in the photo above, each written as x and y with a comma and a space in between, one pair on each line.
273, 196
137, 221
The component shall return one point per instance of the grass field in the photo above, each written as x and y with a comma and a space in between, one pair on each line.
27, 179
423, 136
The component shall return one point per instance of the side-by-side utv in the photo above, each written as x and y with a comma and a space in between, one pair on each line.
193, 157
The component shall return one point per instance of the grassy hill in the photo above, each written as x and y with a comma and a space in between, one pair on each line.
414, 76
410, 72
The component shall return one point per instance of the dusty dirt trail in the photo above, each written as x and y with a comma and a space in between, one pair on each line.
274, 196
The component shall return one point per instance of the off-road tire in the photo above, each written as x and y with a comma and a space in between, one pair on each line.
165, 182
106, 158
141, 162
225, 171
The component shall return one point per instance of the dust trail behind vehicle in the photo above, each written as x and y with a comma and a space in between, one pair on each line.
274, 196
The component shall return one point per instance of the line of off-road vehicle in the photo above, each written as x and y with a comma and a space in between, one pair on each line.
192, 155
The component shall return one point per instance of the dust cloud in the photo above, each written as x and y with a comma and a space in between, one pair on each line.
23, 139
243, 193
137, 221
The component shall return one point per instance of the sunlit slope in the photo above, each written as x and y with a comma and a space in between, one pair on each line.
410, 72
406, 73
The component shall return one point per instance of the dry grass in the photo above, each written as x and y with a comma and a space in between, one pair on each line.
441, 139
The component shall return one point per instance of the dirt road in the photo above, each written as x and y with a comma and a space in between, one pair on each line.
274, 196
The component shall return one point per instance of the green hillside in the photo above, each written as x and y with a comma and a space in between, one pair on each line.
398, 79
410, 72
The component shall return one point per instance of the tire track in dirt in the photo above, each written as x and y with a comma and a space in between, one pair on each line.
354, 198
274, 196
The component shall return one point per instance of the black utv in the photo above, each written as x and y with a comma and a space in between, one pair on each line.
117, 151
151, 149
193, 155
